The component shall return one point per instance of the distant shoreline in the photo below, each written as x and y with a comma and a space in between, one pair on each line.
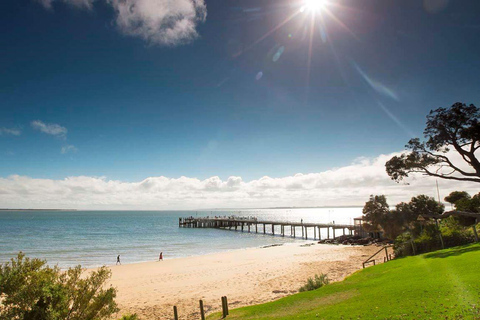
38, 210
209, 209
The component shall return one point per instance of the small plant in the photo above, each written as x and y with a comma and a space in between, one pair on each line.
315, 283
130, 317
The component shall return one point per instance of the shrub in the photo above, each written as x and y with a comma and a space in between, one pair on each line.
318, 282
31, 290
130, 317
429, 240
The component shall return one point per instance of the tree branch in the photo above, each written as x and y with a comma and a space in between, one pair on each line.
427, 172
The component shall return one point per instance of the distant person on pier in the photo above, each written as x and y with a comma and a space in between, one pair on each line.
118, 260
301, 221
160, 257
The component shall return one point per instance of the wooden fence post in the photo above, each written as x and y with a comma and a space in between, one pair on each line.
175, 313
202, 312
223, 307
226, 305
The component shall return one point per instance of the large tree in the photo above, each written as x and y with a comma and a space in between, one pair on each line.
374, 212
457, 128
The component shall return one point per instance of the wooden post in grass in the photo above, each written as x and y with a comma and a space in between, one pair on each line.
202, 312
175, 313
386, 254
226, 306
224, 309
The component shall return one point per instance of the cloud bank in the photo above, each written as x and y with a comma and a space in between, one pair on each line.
349, 185
162, 22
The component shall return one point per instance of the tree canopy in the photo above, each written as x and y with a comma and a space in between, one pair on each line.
454, 196
374, 211
378, 216
457, 128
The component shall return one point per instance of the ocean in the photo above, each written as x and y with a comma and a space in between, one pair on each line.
95, 238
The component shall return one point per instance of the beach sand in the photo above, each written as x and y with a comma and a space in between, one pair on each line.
246, 277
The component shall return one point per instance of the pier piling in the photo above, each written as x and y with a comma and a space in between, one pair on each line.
236, 223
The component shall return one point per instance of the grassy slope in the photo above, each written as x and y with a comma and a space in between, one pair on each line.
439, 285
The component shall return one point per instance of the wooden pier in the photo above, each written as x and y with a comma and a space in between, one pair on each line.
291, 229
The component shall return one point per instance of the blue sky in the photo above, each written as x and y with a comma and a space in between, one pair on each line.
131, 99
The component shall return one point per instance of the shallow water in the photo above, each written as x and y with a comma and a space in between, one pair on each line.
95, 238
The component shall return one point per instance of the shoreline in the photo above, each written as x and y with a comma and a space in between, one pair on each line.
246, 276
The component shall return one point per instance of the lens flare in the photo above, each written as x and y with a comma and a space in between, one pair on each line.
313, 5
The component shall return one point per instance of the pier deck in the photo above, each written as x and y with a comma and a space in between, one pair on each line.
281, 228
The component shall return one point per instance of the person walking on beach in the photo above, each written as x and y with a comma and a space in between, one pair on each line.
118, 260
160, 258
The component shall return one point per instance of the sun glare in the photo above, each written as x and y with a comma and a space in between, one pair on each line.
313, 5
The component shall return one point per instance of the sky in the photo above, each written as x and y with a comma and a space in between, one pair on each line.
186, 104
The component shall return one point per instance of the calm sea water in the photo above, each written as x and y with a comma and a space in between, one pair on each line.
95, 238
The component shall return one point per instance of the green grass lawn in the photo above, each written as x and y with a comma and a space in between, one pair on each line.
438, 285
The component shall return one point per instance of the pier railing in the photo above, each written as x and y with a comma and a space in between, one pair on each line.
252, 224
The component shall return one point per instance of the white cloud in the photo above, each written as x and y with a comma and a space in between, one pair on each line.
349, 185
10, 131
69, 148
50, 128
163, 22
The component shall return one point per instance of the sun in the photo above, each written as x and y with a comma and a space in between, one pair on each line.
313, 5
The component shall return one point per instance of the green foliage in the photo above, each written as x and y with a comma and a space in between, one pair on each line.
423, 204
454, 196
463, 202
457, 127
438, 285
130, 317
393, 224
312, 284
378, 217
428, 239
374, 211
469, 204
31, 290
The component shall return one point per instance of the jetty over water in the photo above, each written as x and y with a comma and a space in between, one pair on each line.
282, 228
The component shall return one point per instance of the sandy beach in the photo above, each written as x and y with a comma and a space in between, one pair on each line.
246, 277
